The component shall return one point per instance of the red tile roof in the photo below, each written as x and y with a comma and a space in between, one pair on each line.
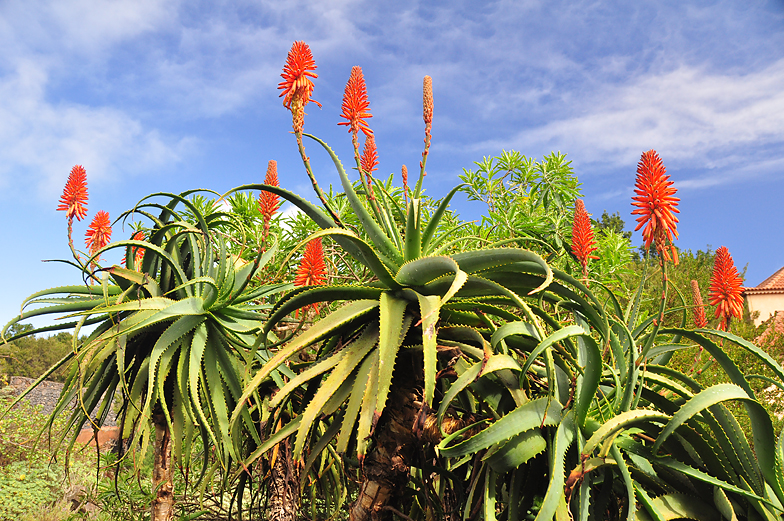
773, 284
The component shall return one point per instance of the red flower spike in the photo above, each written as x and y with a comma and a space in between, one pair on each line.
269, 203
74, 199
369, 160
312, 270
297, 85
99, 232
137, 252
700, 320
356, 107
583, 242
655, 204
726, 288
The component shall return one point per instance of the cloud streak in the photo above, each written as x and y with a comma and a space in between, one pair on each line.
41, 140
688, 115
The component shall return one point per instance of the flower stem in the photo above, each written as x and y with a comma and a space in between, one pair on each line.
366, 181
316, 187
422, 174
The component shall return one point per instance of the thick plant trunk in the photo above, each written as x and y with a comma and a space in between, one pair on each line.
162, 508
386, 467
284, 486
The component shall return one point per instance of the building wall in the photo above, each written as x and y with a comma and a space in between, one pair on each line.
766, 304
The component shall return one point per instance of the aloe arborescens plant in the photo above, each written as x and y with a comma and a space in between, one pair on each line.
173, 330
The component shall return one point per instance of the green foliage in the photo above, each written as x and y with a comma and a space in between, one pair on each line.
528, 201
31, 356
614, 265
454, 373
171, 339
28, 480
24, 487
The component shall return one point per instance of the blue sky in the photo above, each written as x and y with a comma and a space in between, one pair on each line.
165, 95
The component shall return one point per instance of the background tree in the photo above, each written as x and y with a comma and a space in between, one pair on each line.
32, 356
611, 223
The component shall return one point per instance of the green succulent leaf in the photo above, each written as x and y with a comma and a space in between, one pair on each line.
536, 413
376, 234
337, 377
609, 430
391, 314
701, 401
682, 506
554, 497
320, 330
495, 363
494, 259
517, 451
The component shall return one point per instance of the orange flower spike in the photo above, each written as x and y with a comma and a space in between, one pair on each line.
583, 242
270, 203
655, 204
312, 269
356, 107
137, 252
297, 85
404, 175
99, 233
700, 320
726, 288
427, 102
369, 158
427, 116
369, 163
74, 199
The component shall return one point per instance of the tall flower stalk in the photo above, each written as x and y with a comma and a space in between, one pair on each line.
726, 289
369, 163
74, 201
356, 109
136, 252
297, 88
656, 205
269, 203
700, 320
99, 233
583, 243
312, 269
404, 176
427, 116
297, 85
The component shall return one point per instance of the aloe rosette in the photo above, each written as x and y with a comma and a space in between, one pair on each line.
540, 396
625, 436
172, 336
383, 358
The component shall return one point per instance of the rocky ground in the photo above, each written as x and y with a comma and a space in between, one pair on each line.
45, 394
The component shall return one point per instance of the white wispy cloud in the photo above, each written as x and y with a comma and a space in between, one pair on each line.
687, 114
88, 28
41, 139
